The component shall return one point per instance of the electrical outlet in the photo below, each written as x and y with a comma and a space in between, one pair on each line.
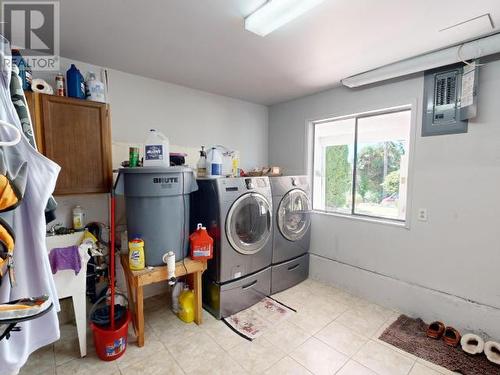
422, 214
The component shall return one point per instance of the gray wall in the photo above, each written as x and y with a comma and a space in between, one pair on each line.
446, 268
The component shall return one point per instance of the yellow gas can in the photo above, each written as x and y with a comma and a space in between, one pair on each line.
186, 306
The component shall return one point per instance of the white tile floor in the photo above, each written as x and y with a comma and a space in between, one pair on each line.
333, 332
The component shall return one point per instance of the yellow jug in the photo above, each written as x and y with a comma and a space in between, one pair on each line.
186, 306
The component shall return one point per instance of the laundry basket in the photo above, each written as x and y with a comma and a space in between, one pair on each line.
110, 342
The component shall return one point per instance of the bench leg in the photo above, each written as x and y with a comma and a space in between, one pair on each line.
198, 315
139, 315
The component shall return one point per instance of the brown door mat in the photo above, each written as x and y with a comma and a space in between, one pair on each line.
409, 335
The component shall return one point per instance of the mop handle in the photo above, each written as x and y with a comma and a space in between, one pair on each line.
112, 262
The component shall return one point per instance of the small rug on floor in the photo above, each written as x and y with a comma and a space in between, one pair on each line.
254, 321
410, 335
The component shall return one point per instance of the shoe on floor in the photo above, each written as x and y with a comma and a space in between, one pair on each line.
451, 337
435, 330
472, 344
492, 351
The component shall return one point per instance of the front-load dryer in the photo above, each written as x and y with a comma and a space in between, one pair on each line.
291, 232
238, 215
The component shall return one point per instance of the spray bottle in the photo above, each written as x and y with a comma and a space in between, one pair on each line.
201, 166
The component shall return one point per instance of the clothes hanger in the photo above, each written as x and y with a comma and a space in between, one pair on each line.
17, 138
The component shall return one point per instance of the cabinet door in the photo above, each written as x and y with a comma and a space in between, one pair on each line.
77, 137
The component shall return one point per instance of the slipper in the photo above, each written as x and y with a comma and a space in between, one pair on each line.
451, 337
435, 330
472, 344
492, 351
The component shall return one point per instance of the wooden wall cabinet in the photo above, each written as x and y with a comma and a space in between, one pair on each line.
76, 134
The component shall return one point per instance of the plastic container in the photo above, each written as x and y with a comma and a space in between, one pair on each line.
186, 306
74, 82
156, 150
136, 257
157, 207
214, 162
235, 163
201, 244
176, 292
78, 218
94, 89
201, 166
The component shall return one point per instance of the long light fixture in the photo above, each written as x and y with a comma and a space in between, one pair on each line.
467, 51
276, 13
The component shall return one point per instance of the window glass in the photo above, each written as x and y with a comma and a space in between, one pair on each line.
368, 154
382, 165
333, 165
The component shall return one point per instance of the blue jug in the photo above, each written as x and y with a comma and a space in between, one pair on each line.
75, 83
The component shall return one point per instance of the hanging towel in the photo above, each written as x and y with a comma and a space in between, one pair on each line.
65, 258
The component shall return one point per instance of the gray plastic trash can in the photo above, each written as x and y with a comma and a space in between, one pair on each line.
157, 207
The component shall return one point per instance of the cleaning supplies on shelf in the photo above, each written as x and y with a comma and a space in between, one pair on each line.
94, 89
186, 305
60, 85
201, 166
201, 244
235, 163
78, 218
136, 258
214, 162
156, 150
75, 83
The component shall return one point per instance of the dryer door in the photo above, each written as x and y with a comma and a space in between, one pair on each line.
248, 223
294, 215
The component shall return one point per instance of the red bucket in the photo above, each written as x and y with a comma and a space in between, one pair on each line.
110, 344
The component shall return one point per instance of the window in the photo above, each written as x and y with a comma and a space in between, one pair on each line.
361, 164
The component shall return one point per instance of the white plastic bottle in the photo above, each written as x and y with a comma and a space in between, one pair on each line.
156, 150
94, 89
214, 162
78, 218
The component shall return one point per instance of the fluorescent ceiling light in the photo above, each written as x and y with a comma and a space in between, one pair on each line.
276, 13
467, 51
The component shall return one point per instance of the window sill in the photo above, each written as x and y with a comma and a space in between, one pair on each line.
371, 220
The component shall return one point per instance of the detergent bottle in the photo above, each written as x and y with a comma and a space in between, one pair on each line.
75, 83
201, 244
214, 163
94, 89
186, 306
156, 150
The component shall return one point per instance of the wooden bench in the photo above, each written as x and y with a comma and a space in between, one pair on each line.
136, 280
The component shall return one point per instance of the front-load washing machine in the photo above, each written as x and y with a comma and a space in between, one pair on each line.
292, 231
238, 215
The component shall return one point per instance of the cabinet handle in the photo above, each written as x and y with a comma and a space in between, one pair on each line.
249, 285
293, 267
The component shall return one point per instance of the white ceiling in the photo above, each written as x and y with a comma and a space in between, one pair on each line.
202, 43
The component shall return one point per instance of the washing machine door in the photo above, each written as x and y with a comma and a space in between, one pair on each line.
248, 223
293, 215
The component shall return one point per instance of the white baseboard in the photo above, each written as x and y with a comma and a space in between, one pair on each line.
412, 300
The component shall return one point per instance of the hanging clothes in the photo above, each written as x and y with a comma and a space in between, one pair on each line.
32, 268
21, 106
